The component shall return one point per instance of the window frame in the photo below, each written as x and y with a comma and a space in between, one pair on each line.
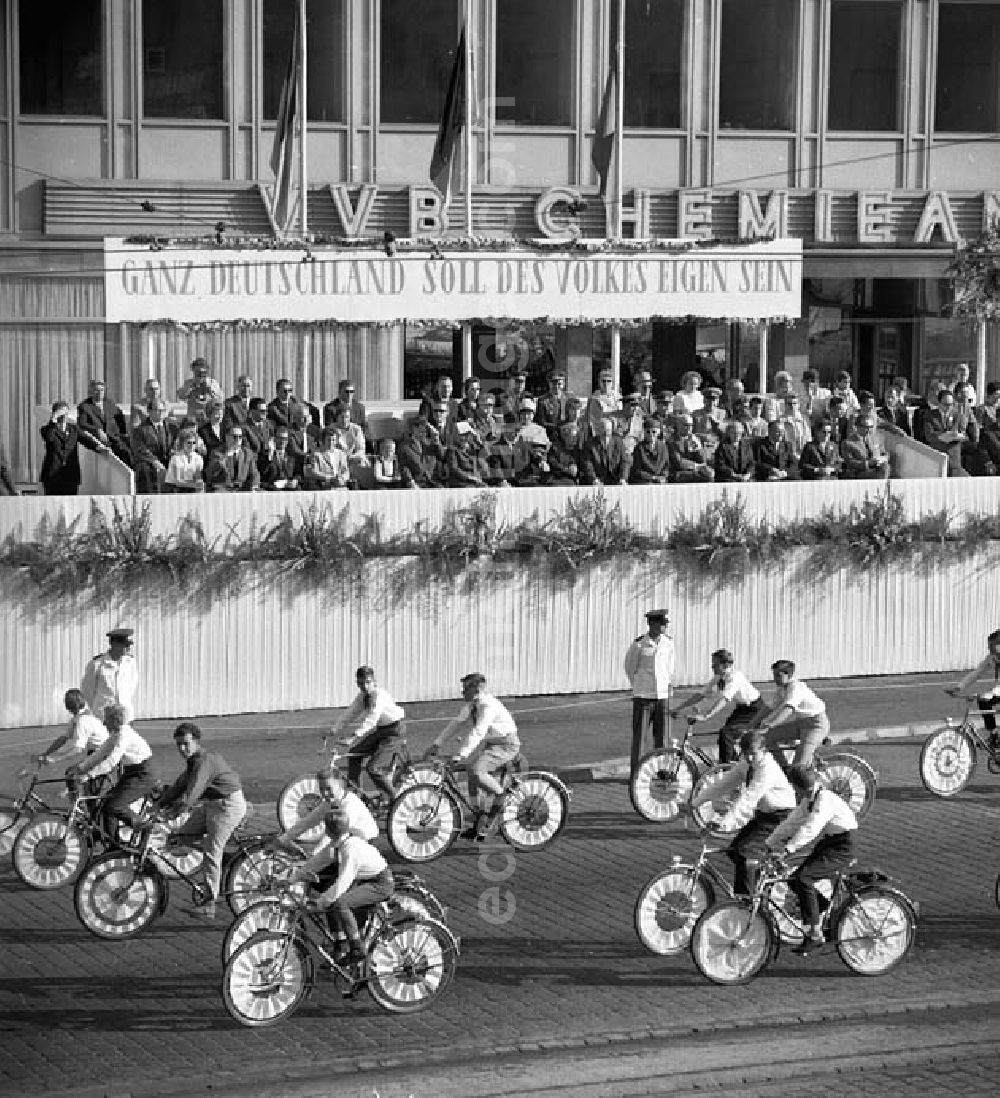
16, 75
901, 67
933, 126
145, 119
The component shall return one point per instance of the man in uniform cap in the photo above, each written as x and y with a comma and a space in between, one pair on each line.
642, 382
649, 665
531, 447
551, 411
112, 677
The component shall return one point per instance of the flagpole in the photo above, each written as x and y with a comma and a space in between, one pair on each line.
469, 91
619, 117
303, 111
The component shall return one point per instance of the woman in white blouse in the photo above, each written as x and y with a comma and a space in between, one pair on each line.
689, 399
184, 473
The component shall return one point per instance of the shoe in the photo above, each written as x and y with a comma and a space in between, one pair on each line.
485, 823
809, 945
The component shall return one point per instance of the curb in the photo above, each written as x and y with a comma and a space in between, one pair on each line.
617, 769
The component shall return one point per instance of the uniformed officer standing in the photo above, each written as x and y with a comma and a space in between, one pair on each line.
112, 677
649, 665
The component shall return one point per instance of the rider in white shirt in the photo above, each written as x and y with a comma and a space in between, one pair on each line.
84, 734
379, 735
989, 699
797, 716
728, 687
336, 798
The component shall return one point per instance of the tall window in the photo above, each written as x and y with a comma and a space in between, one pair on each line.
864, 65
326, 58
182, 54
60, 57
534, 60
654, 42
419, 39
757, 77
968, 75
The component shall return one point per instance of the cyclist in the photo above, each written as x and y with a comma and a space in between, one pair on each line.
762, 793
728, 687
492, 738
378, 737
352, 874
336, 798
797, 716
84, 734
823, 818
989, 700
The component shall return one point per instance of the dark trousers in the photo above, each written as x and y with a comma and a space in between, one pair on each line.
732, 731
136, 781
655, 710
986, 707
830, 854
363, 894
375, 753
748, 843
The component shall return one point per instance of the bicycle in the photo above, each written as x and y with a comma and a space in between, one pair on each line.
868, 917
301, 795
949, 756
425, 820
408, 964
671, 902
16, 812
122, 891
668, 777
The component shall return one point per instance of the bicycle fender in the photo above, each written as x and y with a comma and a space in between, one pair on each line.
549, 776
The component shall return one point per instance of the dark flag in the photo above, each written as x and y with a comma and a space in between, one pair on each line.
452, 120
602, 150
284, 149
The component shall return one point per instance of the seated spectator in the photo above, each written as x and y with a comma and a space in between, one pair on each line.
689, 398
236, 408
733, 392
892, 413
774, 403
942, 431
815, 399
466, 464
231, 467
988, 418
497, 448
962, 377
603, 403
198, 392
185, 469
280, 467
774, 455
139, 410
326, 467
842, 389
282, 408
439, 394
303, 434
152, 444
467, 409
906, 395
517, 389
734, 458
345, 395
796, 426
386, 467
257, 429
863, 455
531, 448
840, 420
212, 433
550, 409
60, 475
351, 439
650, 459
755, 424
629, 422
100, 423
564, 453
642, 383
967, 422
710, 422
423, 452
820, 458
688, 462
603, 459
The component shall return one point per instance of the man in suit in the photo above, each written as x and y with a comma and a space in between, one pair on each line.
423, 452
864, 458
60, 475
280, 467
101, 419
604, 460
941, 431
550, 411
153, 443
345, 395
257, 429
138, 412
237, 407
212, 432
988, 417
232, 468
281, 408
734, 458
303, 434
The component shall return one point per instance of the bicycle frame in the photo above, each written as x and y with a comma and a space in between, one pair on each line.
28, 803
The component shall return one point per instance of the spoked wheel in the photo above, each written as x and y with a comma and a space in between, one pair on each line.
411, 964
947, 761
417, 774
875, 931
662, 782
731, 944
423, 822
669, 906
418, 902
710, 814
851, 778
12, 823
267, 979
534, 811
50, 851
269, 915
251, 875
116, 899
296, 801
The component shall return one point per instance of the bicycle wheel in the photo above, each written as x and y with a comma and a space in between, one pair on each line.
267, 979
423, 822
534, 811
50, 851
710, 814
410, 964
250, 875
12, 824
947, 761
418, 901
875, 930
299, 797
730, 944
851, 778
662, 782
116, 899
669, 906
268, 915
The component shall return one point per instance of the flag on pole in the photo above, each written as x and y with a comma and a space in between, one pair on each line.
452, 121
283, 152
605, 136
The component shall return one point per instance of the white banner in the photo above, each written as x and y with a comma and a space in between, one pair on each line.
758, 280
